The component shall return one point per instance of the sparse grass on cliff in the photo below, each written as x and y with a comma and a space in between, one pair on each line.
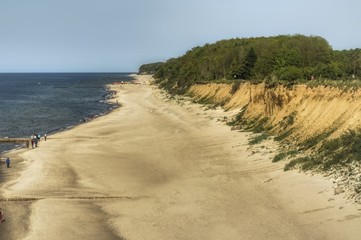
284, 135
332, 153
237, 120
340, 84
346, 84
288, 120
259, 138
283, 155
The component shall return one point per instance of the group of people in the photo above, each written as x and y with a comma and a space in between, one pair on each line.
35, 139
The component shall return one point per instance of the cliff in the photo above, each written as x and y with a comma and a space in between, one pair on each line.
297, 113
318, 126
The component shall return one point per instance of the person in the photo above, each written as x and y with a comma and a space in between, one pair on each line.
7, 162
32, 141
45, 136
2, 218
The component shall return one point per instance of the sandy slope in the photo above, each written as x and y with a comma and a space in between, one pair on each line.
313, 110
153, 169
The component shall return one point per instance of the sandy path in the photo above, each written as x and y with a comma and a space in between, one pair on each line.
155, 170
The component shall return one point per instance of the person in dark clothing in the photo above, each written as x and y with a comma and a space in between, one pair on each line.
7, 162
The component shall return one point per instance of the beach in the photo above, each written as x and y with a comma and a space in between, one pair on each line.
157, 168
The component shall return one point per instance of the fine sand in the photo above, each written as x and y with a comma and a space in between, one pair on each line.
159, 169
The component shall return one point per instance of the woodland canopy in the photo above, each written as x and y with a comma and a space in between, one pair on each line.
285, 57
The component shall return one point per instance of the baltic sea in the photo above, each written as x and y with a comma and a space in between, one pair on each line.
48, 102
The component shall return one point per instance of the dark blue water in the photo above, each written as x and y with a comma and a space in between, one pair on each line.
47, 102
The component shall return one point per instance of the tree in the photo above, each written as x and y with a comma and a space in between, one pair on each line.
289, 57
245, 72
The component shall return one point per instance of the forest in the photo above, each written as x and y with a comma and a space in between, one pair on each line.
290, 58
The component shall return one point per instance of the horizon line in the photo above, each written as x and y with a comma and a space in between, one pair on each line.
64, 72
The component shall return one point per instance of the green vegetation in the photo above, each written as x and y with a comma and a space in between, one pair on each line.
282, 155
305, 163
259, 138
239, 117
288, 120
257, 125
284, 59
151, 68
317, 139
333, 153
289, 58
284, 135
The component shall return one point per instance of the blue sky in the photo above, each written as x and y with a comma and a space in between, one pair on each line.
120, 35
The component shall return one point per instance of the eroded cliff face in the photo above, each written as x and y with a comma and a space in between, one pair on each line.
299, 113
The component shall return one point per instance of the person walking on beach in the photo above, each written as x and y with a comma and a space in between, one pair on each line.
45, 136
32, 141
7, 162
2, 218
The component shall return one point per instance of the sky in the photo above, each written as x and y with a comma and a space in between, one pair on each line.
121, 35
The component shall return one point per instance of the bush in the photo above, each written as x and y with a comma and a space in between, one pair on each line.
290, 73
282, 155
258, 139
306, 163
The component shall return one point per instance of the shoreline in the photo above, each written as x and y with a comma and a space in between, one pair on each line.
14, 152
19, 164
103, 98
164, 166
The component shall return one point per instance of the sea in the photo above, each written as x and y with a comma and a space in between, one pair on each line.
50, 102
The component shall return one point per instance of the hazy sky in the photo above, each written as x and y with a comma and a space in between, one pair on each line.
120, 35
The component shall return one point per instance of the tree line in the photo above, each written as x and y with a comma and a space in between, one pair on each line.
285, 57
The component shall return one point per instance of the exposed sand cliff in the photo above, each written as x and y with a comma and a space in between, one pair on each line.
306, 117
313, 110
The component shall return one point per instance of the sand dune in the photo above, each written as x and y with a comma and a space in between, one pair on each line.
154, 169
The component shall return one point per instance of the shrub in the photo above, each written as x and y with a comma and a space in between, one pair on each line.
282, 155
258, 139
290, 73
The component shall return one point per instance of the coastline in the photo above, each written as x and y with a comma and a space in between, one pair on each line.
14, 152
18, 165
173, 170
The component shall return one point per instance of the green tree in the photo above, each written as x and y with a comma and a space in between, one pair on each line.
245, 72
288, 57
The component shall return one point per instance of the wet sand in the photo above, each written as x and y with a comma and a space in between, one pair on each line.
156, 169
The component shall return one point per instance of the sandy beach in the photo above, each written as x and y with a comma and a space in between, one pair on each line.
162, 169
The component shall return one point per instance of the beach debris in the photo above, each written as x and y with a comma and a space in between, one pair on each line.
358, 199
238, 127
338, 190
268, 180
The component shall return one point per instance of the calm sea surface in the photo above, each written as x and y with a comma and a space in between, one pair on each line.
47, 102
